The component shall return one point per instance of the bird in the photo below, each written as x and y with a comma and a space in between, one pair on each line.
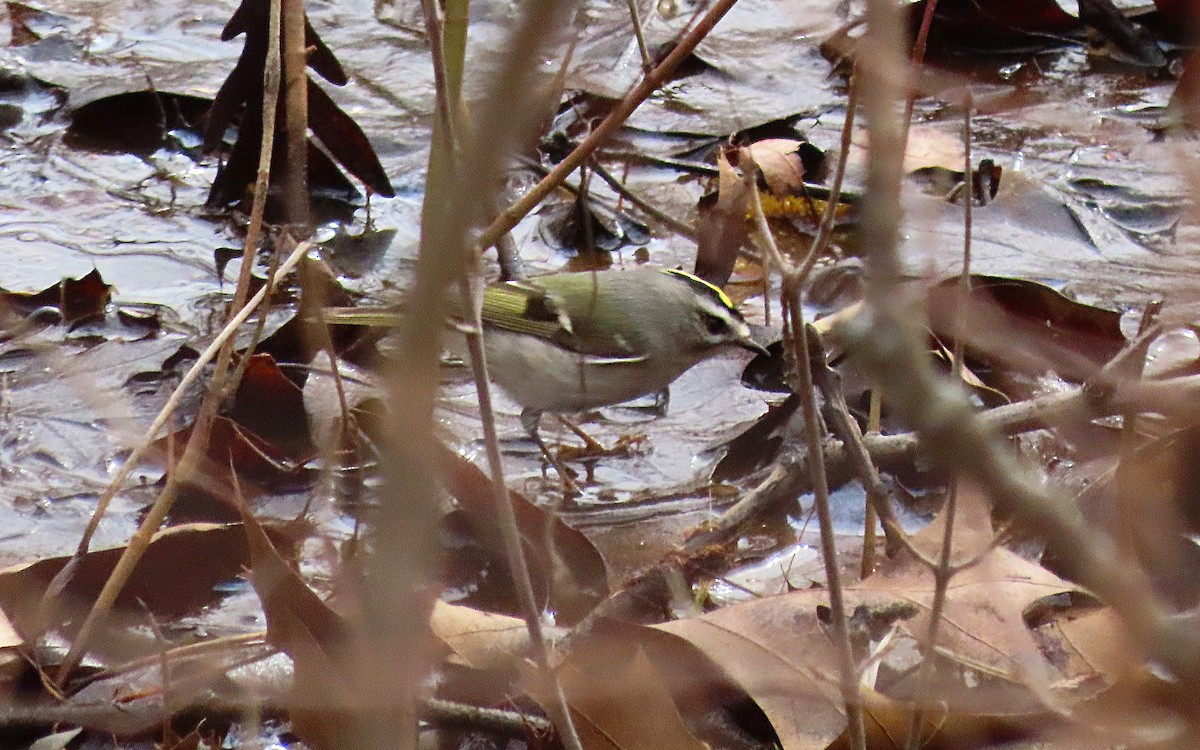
570, 342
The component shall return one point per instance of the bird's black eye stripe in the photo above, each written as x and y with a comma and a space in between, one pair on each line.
715, 324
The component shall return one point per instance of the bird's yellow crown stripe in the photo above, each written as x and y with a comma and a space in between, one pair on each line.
721, 295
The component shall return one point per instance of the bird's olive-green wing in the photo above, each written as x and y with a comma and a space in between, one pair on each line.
566, 319
524, 308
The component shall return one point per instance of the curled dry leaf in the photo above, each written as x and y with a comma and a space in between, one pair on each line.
1026, 327
481, 640
779, 164
335, 699
887, 723
722, 227
628, 710
190, 558
75, 299
776, 649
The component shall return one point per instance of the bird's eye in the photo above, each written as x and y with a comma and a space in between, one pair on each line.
715, 324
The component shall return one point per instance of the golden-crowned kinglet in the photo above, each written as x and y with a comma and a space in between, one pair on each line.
575, 341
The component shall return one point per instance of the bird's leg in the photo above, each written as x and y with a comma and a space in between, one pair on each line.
661, 400
530, 418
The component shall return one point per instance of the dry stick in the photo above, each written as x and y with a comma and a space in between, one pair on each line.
918, 59
295, 87
846, 429
870, 516
198, 442
675, 225
615, 119
452, 715
260, 324
513, 546
964, 279
589, 241
793, 320
846, 667
508, 257
866, 565
140, 540
943, 571
207, 649
877, 500
941, 413
454, 199
623, 192
1176, 396
785, 481
328, 450
1113, 372
434, 29
643, 50
1173, 397
1129, 515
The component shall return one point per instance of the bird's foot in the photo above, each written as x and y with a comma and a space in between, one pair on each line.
591, 446
530, 420
625, 446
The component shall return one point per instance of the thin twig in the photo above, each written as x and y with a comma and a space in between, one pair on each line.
1179, 397
260, 324
964, 279
1129, 512
207, 650
941, 413
524, 46
917, 58
162, 506
615, 119
828, 220
636, 16
513, 546
870, 517
295, 87
796, 333
847, 670
846, 429
452, 715
675, 225
223, 349
434, 26
943, 572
